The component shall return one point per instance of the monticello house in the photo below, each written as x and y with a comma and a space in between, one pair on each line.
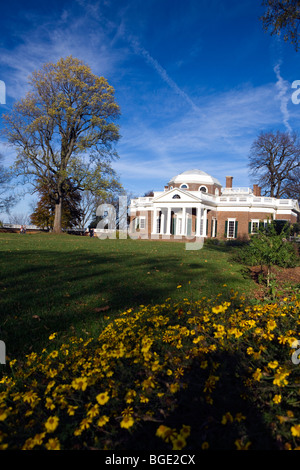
194, 204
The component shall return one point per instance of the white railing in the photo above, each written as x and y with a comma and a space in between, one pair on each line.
237, 191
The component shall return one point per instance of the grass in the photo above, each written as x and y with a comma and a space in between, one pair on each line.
140, 345
71, 284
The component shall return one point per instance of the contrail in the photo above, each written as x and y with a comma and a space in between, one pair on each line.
138, 49
282, 88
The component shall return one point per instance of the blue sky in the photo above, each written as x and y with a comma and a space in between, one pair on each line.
196, 80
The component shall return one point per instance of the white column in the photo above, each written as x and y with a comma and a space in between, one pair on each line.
198, 221
168, 230
183, 222
154, 226
205, 223
162, 223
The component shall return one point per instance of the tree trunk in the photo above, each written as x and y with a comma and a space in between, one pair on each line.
268, 275
57, 216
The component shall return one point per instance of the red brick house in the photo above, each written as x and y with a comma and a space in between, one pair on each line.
194, 204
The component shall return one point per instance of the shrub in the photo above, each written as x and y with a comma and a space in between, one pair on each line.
269, 248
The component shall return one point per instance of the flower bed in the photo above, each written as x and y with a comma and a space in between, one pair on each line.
207, 374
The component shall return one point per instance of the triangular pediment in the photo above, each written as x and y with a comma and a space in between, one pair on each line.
176, 195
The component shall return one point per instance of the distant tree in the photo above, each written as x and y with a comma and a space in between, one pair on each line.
44, 213
283, 16
274, 161
149, 193
7, 198
19, 219
64, 129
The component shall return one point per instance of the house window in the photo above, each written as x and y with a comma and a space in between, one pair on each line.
140, 223
254, 226
213, 227
176, 196
184, 186
231, 227
203, 189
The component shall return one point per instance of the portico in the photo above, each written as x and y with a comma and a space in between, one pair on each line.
179, 214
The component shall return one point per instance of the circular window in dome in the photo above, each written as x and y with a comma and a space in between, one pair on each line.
203, 189
184, 186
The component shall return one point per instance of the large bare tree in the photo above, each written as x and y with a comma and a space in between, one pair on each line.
64, 129
283, 17
274, 160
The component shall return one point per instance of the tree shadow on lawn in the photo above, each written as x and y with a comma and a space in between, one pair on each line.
62, 290
205, 419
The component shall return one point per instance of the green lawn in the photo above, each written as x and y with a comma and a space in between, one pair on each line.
68, 283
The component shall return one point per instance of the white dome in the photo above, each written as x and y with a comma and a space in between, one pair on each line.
194, 176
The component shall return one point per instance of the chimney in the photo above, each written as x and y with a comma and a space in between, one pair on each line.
229, 181
256, 190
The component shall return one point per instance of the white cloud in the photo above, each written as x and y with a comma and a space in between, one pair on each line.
282, 87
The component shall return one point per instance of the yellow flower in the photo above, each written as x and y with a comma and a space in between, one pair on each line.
80, 383
295, 430
51, 337
127, 422
161, 431
178, 442
30, 397
241, 446
185, 430
227, 418
102, 398
53, 444
271, 325
166, 433
102, 421
51, 423
38, 439
49, 404
94, 411
3, 415
205, 445
257, 375
174, 388
277, 399
239, 417
280, 377
71, 410
273, 364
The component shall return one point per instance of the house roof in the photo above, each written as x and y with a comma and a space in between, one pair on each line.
194, 176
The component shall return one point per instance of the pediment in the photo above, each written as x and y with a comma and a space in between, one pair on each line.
176, 195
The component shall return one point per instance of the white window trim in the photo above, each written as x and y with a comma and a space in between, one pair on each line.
203, 186
234, 221
184, 184
139, 221
254, 221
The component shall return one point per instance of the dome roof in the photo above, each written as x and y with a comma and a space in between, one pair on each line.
194, 176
